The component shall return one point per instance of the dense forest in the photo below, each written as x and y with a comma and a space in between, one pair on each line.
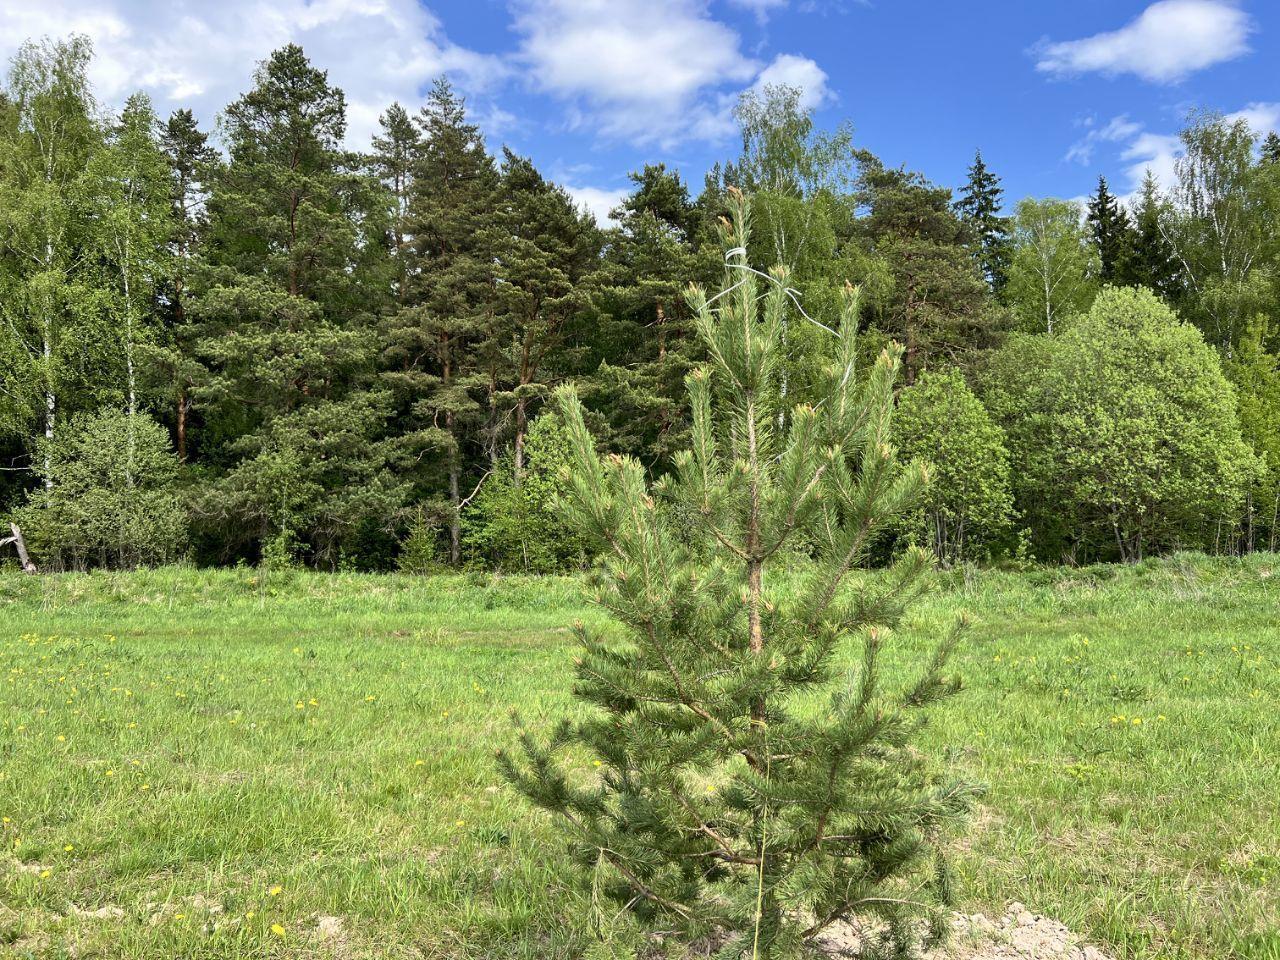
249, 343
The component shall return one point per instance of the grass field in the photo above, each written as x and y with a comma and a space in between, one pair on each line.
224, 764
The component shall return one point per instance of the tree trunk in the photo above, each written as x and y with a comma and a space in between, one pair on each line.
455, 518
50, 398
182, 424
521, 423
21, 546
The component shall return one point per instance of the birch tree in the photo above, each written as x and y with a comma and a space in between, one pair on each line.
131, 227
47, 307
1052, 272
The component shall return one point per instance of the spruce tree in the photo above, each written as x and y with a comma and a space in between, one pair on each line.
1111, 233
1270, 150
1153, 263
979, 207
727, 805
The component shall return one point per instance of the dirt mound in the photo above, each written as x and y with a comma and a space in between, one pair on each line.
1018, 935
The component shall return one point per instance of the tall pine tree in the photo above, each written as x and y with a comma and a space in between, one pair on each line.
644, 344
436, 343
395, 155
174, 362
291, 276
546, 249
938, 307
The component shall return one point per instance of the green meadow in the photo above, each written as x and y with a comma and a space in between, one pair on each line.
219, 764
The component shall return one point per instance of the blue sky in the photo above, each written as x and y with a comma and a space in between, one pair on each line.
1053, 93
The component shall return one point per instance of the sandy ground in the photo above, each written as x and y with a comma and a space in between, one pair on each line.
1018, 935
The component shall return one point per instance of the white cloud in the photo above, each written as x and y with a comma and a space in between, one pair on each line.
1263, 118
1154, 152
596, 201
202, 55
1144, 150
800, 72
644, 70
1165, 43
1116, 129
761, 8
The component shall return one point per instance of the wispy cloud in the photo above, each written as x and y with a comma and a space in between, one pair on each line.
1114, 130
761, 8
1140, 150
1167, 42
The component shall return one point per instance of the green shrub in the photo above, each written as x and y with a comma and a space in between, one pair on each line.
516, 525
109, 495
420, 549
967, 509
1123, 432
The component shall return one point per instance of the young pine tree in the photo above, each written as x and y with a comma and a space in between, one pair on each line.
729, 806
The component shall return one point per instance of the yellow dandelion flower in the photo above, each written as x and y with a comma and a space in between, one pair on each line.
69, 847
277, 930
45, 874
179, 916
248, 915
110, 773
276, 890
459, 823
